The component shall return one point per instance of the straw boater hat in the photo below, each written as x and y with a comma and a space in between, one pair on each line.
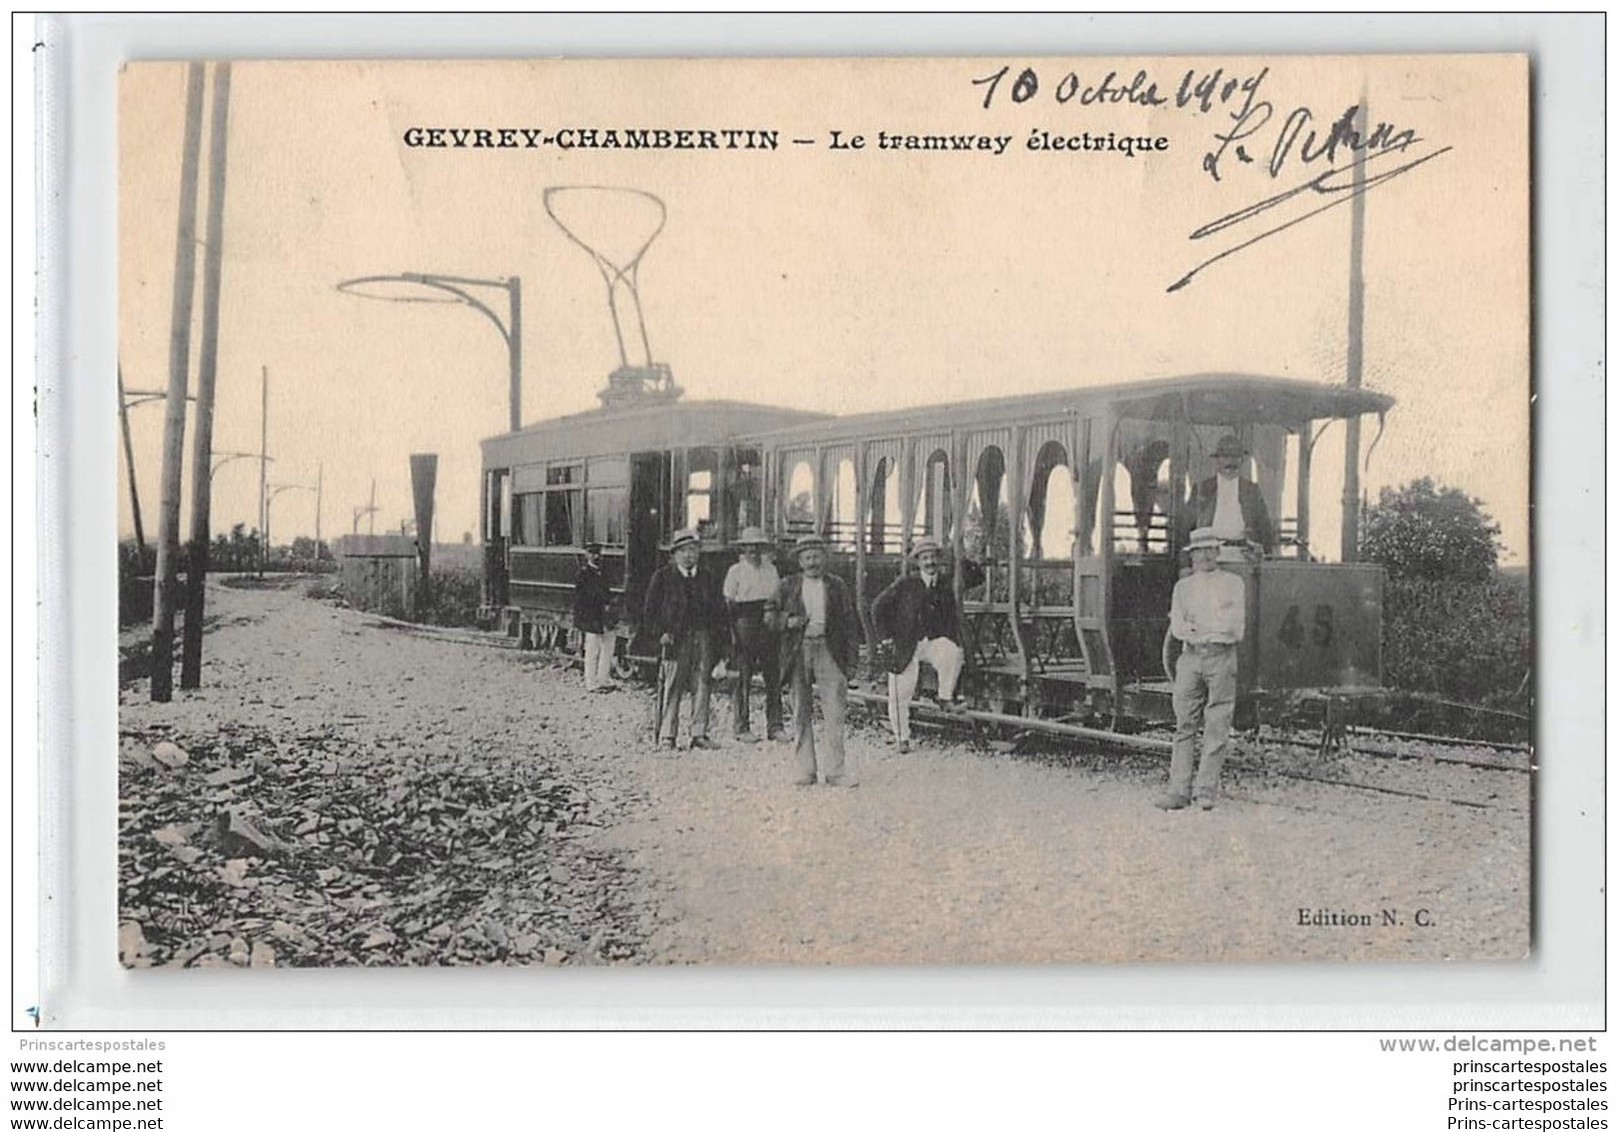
1203, 538
686, 537
923, 545
753, 536
809, 542
1229, 445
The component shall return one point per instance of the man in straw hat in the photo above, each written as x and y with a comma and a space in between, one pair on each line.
919, 612
592, 600
1208, 615
819, 649
685, 611
752, 596
1229, 504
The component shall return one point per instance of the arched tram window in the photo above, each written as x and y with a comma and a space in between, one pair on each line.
800, 498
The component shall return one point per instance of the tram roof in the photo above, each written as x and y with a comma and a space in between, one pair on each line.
651, 426
1204, 398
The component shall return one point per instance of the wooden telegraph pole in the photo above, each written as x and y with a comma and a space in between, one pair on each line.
168, 516
196, 574
263, 468
1356, 348
129, 462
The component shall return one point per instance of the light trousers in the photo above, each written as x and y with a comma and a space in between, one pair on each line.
816, 669
946, 658
1204, 700
598, 655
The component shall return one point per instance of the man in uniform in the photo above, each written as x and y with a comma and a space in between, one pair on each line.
591, 599
1232, 506
752, 596
919, 612
819, 649
1208, 615
685, 611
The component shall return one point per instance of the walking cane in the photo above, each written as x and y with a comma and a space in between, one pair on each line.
659, 700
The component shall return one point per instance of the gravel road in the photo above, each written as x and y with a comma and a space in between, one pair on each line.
416, 796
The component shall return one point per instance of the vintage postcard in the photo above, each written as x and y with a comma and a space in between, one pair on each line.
824, 511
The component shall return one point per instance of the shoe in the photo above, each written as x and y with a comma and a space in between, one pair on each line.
670, 745
1172, 802
904, 746
702, 743
746, 737
1206, 802
809, 781
778, 736
844, 780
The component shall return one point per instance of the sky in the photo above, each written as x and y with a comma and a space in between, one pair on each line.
846, 279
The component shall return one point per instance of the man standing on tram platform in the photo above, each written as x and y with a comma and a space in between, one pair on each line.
1208, 615
1229, 504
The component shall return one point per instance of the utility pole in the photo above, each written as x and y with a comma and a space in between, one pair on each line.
263, 466
372, 509
168, 516
196, 573
1356, 345
320, 479
129, 462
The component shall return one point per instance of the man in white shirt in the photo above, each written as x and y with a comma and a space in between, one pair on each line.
1208, 615
752, 596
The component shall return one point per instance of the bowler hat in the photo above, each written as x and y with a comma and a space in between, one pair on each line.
921, 546
753, 536
1229, 445
686, 537
1203, 538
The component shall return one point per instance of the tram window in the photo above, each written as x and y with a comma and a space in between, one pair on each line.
702, 467
801, 498
934, 509
525, 519
744, 495
844, 510
560, 510
607, 508
884, 525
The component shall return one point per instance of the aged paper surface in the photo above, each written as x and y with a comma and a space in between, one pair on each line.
837, 237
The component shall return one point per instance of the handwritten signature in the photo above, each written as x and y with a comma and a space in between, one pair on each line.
1327, 183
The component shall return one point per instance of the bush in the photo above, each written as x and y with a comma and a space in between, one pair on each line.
1422, 530
1470, 641
456, 596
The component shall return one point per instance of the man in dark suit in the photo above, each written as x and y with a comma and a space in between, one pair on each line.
919, 612
1229, 504
684, 609
820, 648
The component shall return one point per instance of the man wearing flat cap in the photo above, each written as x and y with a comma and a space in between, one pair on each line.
820, 650
919, 612
592, 599
1229, 504
752, 597
686, 613
1208, 616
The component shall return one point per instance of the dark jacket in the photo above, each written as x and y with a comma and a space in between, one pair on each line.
909, 612
679, 606
842, 625
1199, 511
591, 598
